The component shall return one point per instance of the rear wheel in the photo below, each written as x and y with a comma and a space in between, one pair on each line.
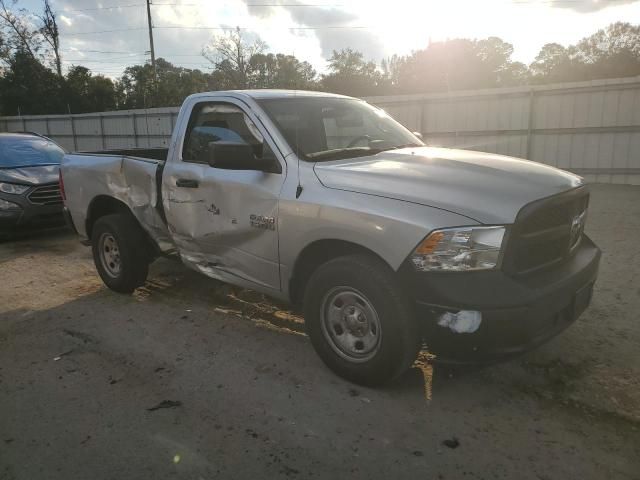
359, 321
120, 252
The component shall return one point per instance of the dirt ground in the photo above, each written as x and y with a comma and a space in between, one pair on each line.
243, 395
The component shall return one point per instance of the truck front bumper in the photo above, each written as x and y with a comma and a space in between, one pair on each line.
517, 313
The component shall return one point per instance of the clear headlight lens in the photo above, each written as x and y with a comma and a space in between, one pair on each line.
4, 205
459, 249
13, 188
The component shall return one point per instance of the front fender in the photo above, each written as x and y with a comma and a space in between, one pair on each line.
389, 228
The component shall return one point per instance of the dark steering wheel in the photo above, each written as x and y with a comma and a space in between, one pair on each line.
353, 142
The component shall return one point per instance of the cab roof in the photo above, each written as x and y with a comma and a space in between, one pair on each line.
268, 93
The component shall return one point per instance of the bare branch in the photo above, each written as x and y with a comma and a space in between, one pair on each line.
23, 36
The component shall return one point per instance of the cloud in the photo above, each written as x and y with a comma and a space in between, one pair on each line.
66, 20
326, 18
183, 27
587, 6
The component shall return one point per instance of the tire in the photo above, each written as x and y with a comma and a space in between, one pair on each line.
342, 292
120, 252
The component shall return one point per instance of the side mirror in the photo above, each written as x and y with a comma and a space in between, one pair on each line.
233, 156
419, 135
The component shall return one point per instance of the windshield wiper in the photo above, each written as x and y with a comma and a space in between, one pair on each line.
353, 152
406, 145
343, 153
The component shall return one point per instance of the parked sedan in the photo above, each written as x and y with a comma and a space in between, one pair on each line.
29, 189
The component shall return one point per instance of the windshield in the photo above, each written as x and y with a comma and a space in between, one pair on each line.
329, 128
27, 151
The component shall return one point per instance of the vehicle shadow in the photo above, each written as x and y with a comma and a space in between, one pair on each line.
24, 242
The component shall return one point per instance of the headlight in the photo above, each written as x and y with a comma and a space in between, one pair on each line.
4, 205
13, 188
459, 249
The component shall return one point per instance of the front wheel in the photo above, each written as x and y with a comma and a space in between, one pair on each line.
359, 321
120, 252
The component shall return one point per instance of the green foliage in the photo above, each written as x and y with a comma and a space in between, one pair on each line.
612, 52
85, 92
138, 89
281, 71
350, 74
29, 87
459, 64
241, 63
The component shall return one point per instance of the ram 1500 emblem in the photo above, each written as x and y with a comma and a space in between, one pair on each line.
260, 221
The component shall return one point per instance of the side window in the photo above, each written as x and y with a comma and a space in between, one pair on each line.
215, 122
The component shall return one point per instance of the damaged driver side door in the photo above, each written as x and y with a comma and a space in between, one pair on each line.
220, 195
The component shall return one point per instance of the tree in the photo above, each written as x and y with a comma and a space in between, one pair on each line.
86, 92
391, 68
29, 87
49, 31
231, 56
611, 52
280, 71
517, 73
136, 89
496, 64
554, 63
350, 74
459, 64
174, 84
443, 66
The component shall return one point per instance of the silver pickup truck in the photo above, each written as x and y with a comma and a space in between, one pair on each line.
328, 203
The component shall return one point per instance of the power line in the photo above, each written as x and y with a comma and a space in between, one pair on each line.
319, 27
315, 5
133, 5
318, 5
181, 27
112, 7
258, 4
107, 31
104, 60
74, 50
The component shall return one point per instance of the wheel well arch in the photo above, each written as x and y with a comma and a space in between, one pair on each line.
314, 255
103, 205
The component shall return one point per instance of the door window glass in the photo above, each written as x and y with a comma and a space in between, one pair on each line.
220, 122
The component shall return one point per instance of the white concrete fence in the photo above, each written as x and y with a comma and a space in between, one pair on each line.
591, 128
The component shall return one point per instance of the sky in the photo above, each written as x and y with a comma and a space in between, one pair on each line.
108, 35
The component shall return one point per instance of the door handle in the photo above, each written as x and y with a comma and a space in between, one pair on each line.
186, 183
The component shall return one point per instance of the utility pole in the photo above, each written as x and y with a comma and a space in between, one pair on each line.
153, 53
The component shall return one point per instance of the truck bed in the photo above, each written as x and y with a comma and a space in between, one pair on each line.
131, 176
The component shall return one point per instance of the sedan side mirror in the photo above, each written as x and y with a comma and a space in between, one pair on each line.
419, 135
233, 156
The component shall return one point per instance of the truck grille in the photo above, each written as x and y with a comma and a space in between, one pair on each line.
46, 195
546, 232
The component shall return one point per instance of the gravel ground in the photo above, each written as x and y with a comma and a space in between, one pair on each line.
241, 394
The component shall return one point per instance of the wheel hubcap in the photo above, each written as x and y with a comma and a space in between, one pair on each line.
350, 324
109, 254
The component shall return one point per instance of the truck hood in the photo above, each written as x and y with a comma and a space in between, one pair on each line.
36, 175
485, 187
